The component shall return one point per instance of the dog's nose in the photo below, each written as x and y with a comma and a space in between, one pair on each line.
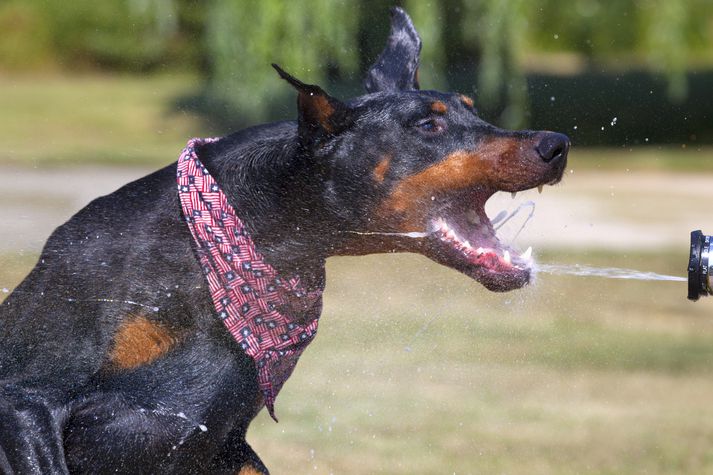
553, 147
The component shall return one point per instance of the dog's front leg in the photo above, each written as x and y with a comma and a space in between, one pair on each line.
237, 457
30, 434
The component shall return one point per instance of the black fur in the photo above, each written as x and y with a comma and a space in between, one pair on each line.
299, 187
396, 69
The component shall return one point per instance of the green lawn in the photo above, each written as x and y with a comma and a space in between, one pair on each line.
417, 369
422, 371
659, 158
95, 119
134, 120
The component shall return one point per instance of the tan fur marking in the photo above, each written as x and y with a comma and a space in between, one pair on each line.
319, 107
439, 107
466, 100
459, 170
249, 470
382, 169
139, 341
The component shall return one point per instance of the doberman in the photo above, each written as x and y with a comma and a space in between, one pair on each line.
113, 355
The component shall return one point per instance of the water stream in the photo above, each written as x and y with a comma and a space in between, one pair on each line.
607, 272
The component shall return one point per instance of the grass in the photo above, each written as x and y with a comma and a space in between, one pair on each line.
417, 369
114, 120
13, 268
95, 119
650, 158
421, 371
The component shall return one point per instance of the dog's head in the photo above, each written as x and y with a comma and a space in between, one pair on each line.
400, 160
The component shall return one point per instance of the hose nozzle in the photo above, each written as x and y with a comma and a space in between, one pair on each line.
699, 266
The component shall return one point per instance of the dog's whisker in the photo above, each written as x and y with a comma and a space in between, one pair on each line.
129, 302
413, 234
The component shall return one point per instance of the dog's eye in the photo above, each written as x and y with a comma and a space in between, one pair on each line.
432, 126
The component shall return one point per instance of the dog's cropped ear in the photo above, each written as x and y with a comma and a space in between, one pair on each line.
396, 68
319, 114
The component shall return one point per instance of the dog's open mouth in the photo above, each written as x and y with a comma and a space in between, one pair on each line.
464, 238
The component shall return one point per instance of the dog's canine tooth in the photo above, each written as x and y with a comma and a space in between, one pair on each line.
506, 257
480, 251
539, 188
527, 254
514, 194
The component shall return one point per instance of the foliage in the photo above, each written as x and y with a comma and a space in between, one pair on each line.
662, 34
243, 38
668, 36
127, 35
491, 44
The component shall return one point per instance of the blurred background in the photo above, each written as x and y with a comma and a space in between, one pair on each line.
571, 374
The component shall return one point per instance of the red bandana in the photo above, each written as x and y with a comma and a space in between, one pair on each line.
273, 319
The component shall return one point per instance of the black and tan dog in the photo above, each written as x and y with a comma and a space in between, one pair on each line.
112, 357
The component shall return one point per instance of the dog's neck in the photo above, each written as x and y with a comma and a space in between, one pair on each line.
276, 191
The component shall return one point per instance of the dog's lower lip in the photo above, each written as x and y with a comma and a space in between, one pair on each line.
489, 253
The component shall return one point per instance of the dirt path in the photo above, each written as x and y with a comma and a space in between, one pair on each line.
607, 210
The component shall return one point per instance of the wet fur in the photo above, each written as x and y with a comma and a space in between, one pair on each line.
82, 392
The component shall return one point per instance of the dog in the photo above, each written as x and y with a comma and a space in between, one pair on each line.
160, 319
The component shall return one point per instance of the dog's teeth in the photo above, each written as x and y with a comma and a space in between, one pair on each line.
514, 194
506, 257
467, 245
450, 234
527, 254
539, 188
480, 251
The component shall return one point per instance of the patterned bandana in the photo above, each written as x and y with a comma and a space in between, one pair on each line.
272, 318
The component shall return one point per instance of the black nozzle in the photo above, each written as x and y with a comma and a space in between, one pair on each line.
698, 266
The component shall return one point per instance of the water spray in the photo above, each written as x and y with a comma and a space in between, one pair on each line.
700, 263
607, 272
699, 266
